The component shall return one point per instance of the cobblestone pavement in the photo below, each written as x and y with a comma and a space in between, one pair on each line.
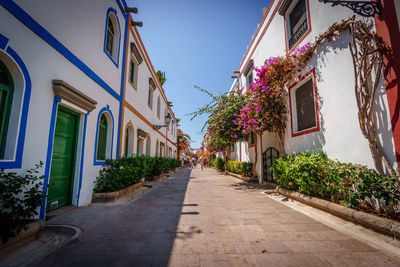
203, 218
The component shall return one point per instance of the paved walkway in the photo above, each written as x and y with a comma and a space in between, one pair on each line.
203, 218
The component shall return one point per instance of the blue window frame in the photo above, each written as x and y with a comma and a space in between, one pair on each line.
112, 36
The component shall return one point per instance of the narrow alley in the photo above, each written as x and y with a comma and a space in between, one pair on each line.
204, 218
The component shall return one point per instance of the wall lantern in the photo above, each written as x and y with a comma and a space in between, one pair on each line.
167, 120
362, 8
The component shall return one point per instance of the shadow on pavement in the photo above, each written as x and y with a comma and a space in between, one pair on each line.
140, 233
251, 186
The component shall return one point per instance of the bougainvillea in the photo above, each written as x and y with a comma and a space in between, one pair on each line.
223, 128
266, 109
234, 116
183, 143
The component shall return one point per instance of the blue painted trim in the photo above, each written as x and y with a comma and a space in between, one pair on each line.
112, 10
17, 162
49, 153
107, 110
3, 42
122, 89
26, 19
82, 158
121, 7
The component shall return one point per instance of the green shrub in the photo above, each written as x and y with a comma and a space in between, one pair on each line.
354, 185
219, 163
20, 197
242, 168
120, 173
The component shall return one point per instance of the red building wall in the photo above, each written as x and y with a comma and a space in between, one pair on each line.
387, 28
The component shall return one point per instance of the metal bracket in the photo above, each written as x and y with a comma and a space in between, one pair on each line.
158, 127
362, 8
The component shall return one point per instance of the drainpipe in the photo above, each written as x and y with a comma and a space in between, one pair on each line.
261, 161
240, 151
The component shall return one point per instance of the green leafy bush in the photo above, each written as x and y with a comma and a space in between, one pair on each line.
20, 197
353, 185
219, 163
242, 168
120, 173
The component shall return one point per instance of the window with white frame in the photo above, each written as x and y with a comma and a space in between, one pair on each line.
152, 88
135, 60
304, 106
248, 73
141, 136
150, 97
133, 72
158, 107
148, 146
128, 141
140, 146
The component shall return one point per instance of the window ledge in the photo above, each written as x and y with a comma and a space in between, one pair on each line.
65, 91
306, 131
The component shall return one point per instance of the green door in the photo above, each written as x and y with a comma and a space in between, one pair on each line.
63, 159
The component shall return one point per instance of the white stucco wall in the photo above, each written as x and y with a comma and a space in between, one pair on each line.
80, 27
84, 38
138, 99
339, 135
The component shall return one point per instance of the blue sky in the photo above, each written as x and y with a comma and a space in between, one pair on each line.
196, 43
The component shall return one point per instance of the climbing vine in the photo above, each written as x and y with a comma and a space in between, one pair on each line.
264, 106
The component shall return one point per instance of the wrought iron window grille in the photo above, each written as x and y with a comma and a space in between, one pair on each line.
298, 34
362, 8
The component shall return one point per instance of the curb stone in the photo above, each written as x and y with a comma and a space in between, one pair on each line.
25, 235
111, 196
52, 238
371, 221
241, 177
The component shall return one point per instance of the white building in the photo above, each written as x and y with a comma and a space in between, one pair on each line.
145, 106
62, 69
325, 87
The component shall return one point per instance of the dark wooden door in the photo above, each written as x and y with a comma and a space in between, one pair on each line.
268, 157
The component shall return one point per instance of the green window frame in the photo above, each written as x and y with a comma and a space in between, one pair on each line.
102, 138
132, 72
110, 36
6, 96
126, 141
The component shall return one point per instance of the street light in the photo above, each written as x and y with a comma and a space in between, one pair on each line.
167, 120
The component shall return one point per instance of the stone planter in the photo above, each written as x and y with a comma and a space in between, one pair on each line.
111, 196
158, 177
374, 222
24, 236
241, 177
